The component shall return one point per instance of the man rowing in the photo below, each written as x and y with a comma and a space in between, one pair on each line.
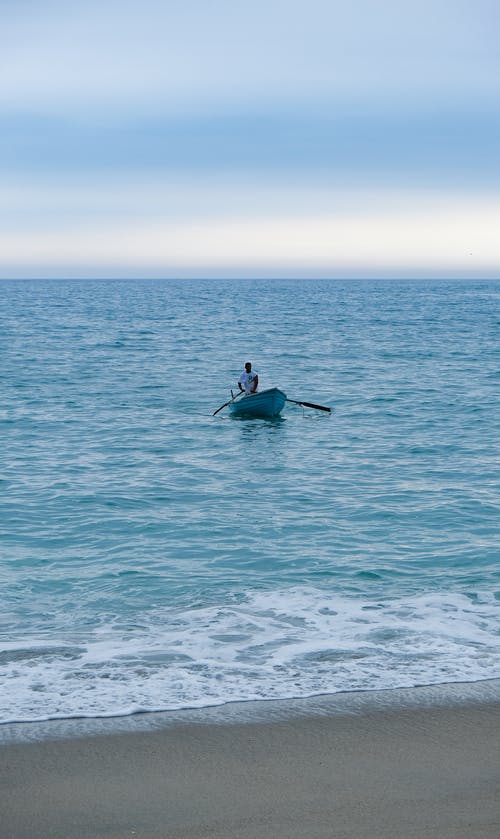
249, 380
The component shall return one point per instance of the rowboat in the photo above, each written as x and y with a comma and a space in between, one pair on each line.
265, 403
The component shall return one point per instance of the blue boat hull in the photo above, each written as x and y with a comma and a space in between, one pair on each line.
265, 403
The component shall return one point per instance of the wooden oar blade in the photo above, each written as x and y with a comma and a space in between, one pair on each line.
221, 407
310, 405
317, 407
227, 403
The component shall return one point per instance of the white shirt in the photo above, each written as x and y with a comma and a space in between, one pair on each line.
246, 379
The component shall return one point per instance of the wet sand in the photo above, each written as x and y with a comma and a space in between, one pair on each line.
401, 774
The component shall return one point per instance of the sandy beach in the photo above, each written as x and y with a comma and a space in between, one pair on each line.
398, 774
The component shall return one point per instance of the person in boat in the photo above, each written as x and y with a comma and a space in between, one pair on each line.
249, 379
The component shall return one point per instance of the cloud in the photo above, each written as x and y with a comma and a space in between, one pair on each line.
277, 137
193, 54
393, 234
341, 146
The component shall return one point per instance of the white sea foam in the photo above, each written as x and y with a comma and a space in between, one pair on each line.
274, 644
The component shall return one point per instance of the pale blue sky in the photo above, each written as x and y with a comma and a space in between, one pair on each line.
274, 138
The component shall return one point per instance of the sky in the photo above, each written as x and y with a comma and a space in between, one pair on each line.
206, 138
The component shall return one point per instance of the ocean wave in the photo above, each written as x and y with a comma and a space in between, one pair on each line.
280, 644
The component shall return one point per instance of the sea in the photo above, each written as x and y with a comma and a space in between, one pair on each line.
155, 557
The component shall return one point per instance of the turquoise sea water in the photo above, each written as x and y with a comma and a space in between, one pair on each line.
156, 557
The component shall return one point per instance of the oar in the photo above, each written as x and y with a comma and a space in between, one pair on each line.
228, 403
310, 405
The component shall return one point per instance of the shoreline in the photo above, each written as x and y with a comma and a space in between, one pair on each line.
447, 694
412, 770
